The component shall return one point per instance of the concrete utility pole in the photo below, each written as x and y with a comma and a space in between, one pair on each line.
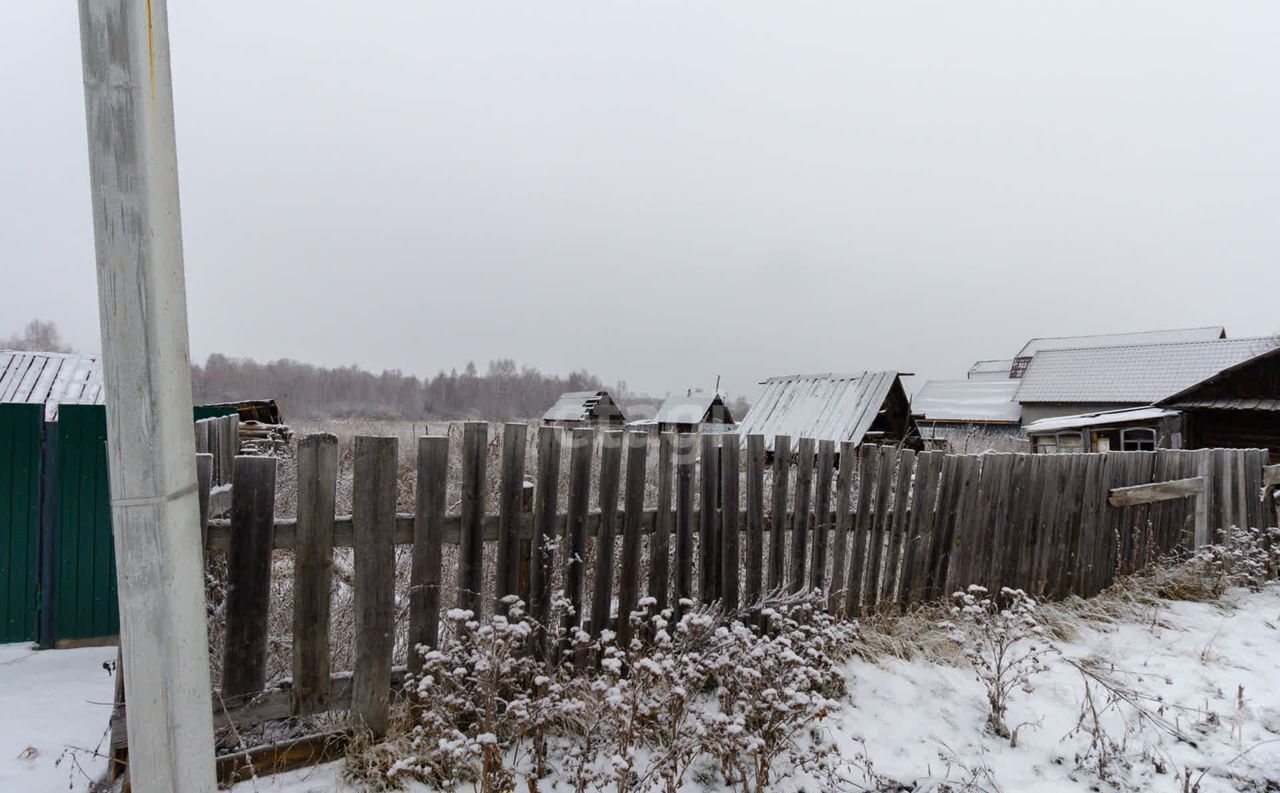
142, 304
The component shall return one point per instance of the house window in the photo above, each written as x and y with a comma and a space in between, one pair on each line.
1138, 439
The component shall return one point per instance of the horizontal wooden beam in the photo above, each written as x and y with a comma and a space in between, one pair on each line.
286, 529
1156, 491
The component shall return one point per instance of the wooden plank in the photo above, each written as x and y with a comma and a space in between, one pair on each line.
1090, 525
660, 545
581, 444
204, 483
961, 522
279, 758
938, 561
685, 463
842, 528
1271, 476
730, 523
1024, 505
777, 517
822, 528
868, 457
996, 540
919, 535
1156, 491
755, 518
373, 513
317, 461
885, 479
1071, 518
244, 657
629, 579
475, 442
544, 533
610, 478
800, 518
425, 577
709, 524
897, 526
510, 507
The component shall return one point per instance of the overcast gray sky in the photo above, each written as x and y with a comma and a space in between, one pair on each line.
663, 192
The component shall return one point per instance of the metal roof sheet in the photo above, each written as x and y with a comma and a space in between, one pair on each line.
577, 406
1138, 374
980, 401
1209, 333
1098, 419
1226, 403
51, 379
836, 407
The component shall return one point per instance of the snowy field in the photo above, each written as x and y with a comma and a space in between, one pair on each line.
50, 703
1204, 674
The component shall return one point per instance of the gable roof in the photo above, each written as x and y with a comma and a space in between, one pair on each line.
580, 405
693, 408
1209, 333
839, 407
51, 379
991, 370
976, 401
1137, 375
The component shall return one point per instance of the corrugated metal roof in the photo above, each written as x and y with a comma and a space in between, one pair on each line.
981, 401
578, 405
836, 407
51, 379
991, 370
690, 408
1138, 374
1179, 335
1098, 419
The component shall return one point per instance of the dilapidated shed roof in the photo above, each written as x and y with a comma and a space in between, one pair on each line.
694, 407
585, 406
991, 370
1137, 374
970, 401
51, 379
838, 407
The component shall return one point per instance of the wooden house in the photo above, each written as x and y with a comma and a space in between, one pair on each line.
585, 409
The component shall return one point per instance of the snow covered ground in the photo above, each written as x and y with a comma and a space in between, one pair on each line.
1207, 670
52, 701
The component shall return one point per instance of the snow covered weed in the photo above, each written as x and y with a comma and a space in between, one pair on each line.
1004, 645
709, 695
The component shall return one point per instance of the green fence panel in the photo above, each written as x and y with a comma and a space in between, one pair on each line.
213, 411
21, 428
84, 594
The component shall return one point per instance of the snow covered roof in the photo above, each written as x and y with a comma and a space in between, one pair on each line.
1139, 374
51, 379
991, 370
1209, 333
584, 406
982, 401
1099, 418
828, 406
693, 408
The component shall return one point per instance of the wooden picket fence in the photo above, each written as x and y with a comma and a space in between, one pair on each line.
873, 527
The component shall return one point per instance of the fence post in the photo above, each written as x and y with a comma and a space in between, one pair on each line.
730, 562
475, 440
373, 520
509, 507
244, 658
313, 571
428, 531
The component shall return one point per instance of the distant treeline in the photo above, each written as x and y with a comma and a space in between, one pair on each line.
505, 391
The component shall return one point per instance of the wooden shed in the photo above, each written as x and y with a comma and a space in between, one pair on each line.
585, 409
870, 406
694, 411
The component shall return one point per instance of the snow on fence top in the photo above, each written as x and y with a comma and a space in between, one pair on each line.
51, 379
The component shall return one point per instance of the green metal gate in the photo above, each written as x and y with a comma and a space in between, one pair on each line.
21, 427
84, 566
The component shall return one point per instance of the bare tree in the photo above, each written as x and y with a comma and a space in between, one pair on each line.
39, 335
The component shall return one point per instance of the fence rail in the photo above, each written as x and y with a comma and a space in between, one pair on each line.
875, 527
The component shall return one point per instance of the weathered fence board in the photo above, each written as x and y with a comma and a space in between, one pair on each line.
428, 531
373, 513
317, 462
244, 657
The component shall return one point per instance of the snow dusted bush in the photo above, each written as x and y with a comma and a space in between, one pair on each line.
1003, 644
709, 694
1245, 557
